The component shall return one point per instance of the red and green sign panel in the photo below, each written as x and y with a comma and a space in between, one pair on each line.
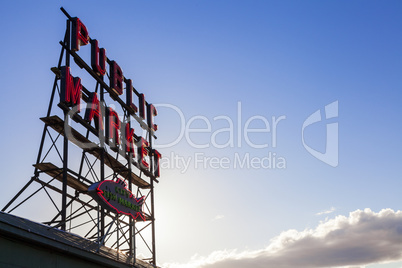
115, 197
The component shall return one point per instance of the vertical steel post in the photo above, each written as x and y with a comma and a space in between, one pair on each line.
102, 158
152, 178
153, 223
65, 146
131, 220
64, 189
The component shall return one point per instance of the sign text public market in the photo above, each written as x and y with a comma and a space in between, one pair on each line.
120, 136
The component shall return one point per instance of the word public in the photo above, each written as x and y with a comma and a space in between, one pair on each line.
106, 119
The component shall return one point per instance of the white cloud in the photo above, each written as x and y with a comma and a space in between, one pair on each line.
362, 238
218, 217
329, 211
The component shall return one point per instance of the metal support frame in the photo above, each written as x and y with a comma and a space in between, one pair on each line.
75, 211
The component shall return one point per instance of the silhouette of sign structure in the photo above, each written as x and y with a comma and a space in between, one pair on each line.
102, 124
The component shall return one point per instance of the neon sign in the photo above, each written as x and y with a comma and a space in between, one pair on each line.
102, 124
120, 136
115, 197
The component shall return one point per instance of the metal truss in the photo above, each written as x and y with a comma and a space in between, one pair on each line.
63, 171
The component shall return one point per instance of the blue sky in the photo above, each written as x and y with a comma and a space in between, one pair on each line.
209, 62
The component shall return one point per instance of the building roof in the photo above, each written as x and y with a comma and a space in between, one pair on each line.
39, 234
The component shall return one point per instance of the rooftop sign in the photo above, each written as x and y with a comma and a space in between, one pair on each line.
112, 128
119, 135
